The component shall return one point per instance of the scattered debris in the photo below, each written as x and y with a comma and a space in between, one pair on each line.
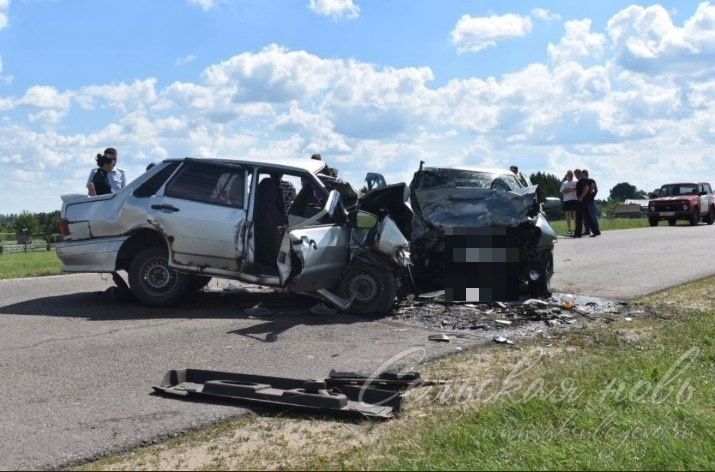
568, 302
501, 340
504, 322
536, 303
628, 318
440, 338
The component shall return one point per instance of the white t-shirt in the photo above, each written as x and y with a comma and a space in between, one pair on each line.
569, 184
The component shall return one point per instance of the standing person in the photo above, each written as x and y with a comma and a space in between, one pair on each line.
100, 182
581, 186
515, 170
116, 177
570, 200
591, 210
327, 170
270, 220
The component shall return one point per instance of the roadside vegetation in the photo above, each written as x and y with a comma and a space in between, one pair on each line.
29, 264
608, 224
625, 392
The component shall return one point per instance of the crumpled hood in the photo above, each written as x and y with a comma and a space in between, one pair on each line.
474, 207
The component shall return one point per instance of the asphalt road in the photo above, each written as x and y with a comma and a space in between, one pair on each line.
77, 366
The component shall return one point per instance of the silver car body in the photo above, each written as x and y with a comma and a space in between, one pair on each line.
207, 238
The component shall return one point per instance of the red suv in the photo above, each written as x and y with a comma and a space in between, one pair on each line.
686, 201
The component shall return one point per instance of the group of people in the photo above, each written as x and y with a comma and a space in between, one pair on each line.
579, 204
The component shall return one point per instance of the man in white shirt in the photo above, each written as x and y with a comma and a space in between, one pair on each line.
117, 178
570, 200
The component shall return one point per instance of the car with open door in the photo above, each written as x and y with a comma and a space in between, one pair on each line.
188, 220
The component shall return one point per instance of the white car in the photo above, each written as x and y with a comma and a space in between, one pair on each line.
185, 221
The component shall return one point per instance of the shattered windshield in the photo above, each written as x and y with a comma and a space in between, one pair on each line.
677, 190
468, 179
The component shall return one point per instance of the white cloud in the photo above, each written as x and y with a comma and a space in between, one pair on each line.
545, 14
647, 40
335, 9
475, 33
44, 96
118, 95
203, 4
183, 60
578, 44
4, 8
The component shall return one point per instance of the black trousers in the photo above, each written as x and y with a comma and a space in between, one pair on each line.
580, 217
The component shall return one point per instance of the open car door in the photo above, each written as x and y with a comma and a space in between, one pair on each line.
313, 253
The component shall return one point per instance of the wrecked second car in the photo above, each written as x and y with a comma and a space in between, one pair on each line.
480, 234
186, 221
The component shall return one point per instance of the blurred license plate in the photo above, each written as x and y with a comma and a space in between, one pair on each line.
667, 213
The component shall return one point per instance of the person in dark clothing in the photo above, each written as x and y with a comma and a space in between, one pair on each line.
581, 184
269, 220
590, 212
327, 170
100, 180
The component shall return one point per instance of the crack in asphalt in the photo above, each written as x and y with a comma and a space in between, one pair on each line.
84, 336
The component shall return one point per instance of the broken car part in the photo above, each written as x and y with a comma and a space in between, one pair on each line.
312, 396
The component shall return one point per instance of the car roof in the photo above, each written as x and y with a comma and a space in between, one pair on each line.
299, 164
686, 183
490, 170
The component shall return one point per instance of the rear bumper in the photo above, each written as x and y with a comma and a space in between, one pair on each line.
90, 255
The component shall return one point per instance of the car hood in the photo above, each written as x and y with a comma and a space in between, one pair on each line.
474, 207
675, 199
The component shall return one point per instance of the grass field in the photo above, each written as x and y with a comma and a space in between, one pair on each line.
30, 264
621, 393
608, 224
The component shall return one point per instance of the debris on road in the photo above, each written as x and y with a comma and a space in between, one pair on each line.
536, 303
503, 322
332, 396
568, 302
440, 338
322, 309
258, 310
501, 340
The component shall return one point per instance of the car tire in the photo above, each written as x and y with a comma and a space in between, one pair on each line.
197, 282
710, 219
653, 221
541, 288
151, 280
374, 286
672, 222
695, 217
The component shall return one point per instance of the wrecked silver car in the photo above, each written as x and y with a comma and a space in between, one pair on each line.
279, 224
480, 234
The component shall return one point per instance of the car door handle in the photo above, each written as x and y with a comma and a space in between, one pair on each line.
309, 242
165, 207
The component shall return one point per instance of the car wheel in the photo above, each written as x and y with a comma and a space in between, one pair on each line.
672, 222
197, 282
695, 217
710, 219
374, 289
541, 288
152, 281
653, 221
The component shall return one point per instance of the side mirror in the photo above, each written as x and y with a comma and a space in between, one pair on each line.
365, 220
332, 204
552, 203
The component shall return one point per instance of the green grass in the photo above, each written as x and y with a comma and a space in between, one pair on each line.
607, 224
30, 264
598, 429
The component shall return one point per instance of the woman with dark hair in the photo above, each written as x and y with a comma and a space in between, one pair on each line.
100, 181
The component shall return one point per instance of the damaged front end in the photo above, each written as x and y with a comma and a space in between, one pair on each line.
480, 244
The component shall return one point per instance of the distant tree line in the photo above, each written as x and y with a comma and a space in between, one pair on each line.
41, 225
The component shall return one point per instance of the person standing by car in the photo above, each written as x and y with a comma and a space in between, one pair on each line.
116, 177
570, 201
100, 181
581, 222
270, 219
591, 210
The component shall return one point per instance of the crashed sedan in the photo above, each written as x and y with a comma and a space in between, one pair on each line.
480, 234
186, 221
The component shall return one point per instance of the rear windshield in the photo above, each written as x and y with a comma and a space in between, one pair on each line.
468, 178
677, 190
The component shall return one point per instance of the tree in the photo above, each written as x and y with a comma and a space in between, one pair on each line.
549, 183
27, 221
624, 191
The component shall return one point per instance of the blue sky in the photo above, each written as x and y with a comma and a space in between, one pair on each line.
623, 88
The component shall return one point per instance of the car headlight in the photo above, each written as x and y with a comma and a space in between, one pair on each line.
685, 207
652, 208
